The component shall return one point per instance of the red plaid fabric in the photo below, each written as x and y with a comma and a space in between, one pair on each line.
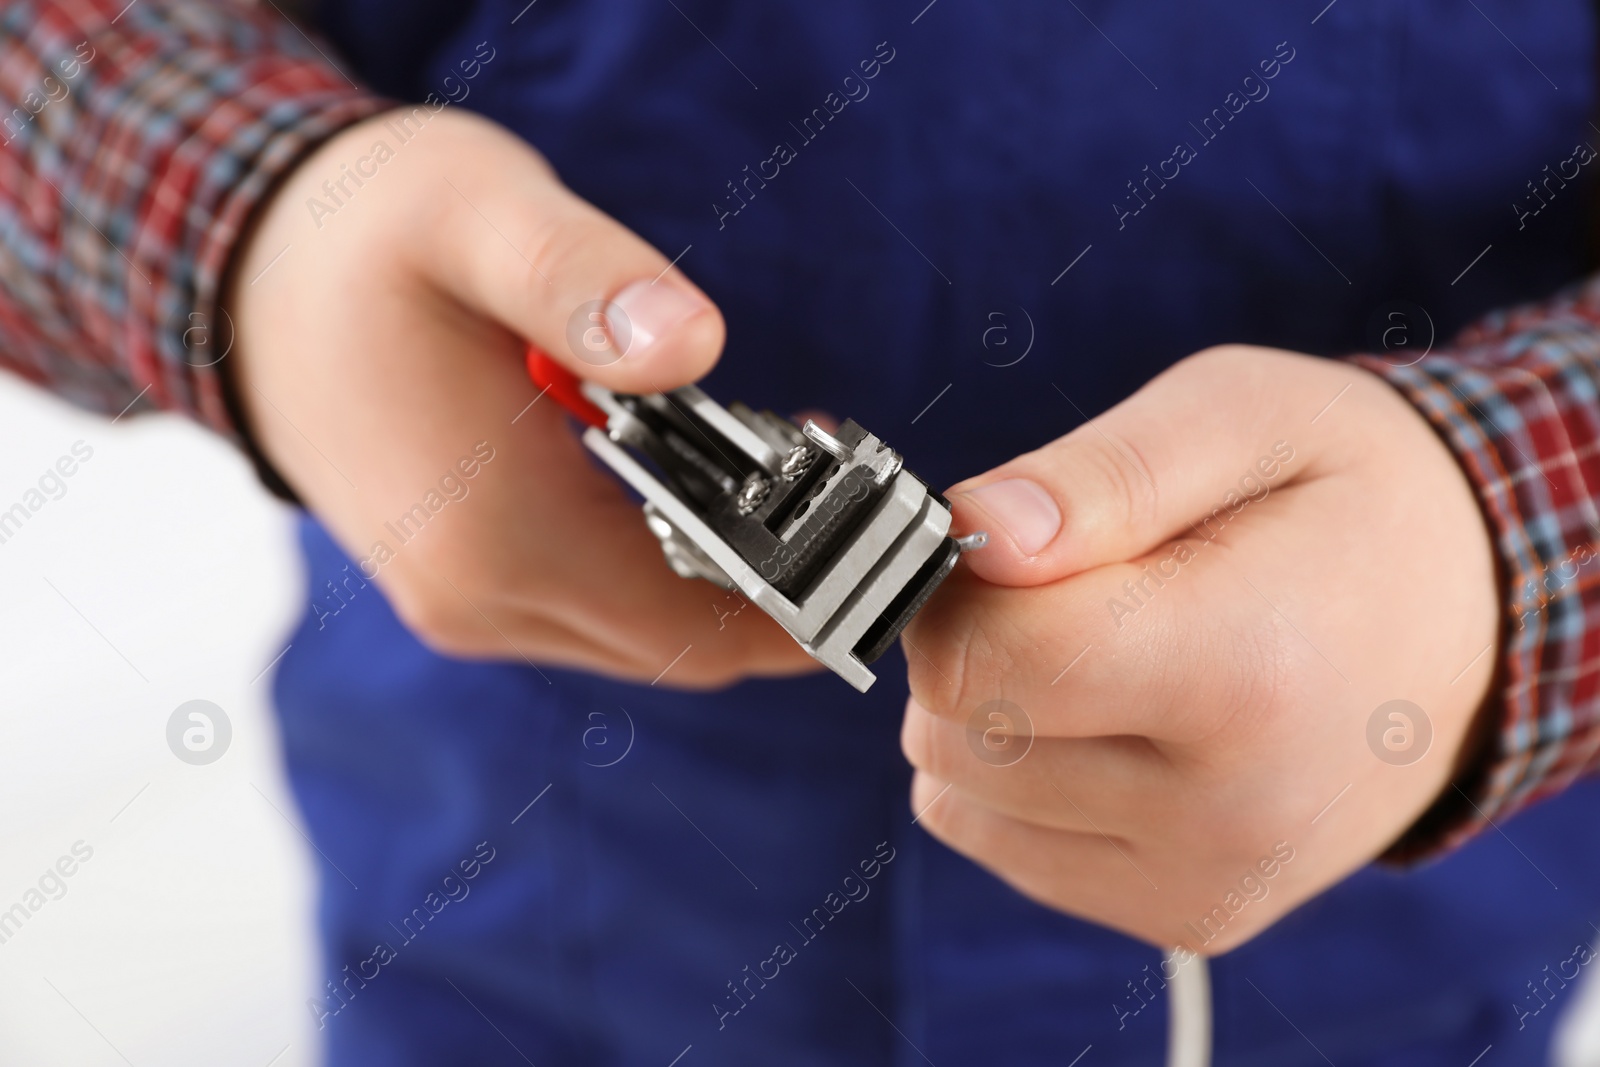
139, 138
1517, 398
144, 133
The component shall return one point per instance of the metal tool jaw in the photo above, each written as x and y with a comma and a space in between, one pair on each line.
827, 533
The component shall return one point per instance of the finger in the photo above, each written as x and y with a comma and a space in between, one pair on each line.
1092, 876
618, 610
1084, 658
516, 245
615, 587
562, 562
619, 592
705, 640
1217, 428
607, 589
1102, 784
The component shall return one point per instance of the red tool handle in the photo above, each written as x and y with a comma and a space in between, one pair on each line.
563, 386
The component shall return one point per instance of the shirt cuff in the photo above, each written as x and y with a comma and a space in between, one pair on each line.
127, 184
1517, 399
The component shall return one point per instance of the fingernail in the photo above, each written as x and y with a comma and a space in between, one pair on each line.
652, 309
1025, 511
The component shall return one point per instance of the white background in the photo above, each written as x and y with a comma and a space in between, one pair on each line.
187, 938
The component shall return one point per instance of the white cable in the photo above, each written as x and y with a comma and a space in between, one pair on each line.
1189, 1014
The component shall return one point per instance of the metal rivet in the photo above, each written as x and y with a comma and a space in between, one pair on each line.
796, 462
751, 495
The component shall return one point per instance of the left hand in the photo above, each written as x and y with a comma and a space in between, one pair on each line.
1198, 601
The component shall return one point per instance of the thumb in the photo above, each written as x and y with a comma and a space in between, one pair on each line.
516, 245
1180, 457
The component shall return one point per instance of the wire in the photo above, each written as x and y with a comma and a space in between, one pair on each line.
1189, 1015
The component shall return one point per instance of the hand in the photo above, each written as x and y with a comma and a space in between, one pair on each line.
1199, 601
380, 361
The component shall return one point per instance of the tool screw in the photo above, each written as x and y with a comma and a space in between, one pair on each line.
796, 462
751, 496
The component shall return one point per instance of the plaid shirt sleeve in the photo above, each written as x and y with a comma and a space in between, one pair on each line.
1517, 398
135, 141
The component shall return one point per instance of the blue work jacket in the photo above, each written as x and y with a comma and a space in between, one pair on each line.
944, 220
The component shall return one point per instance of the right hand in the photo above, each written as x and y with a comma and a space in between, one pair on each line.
388, 341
